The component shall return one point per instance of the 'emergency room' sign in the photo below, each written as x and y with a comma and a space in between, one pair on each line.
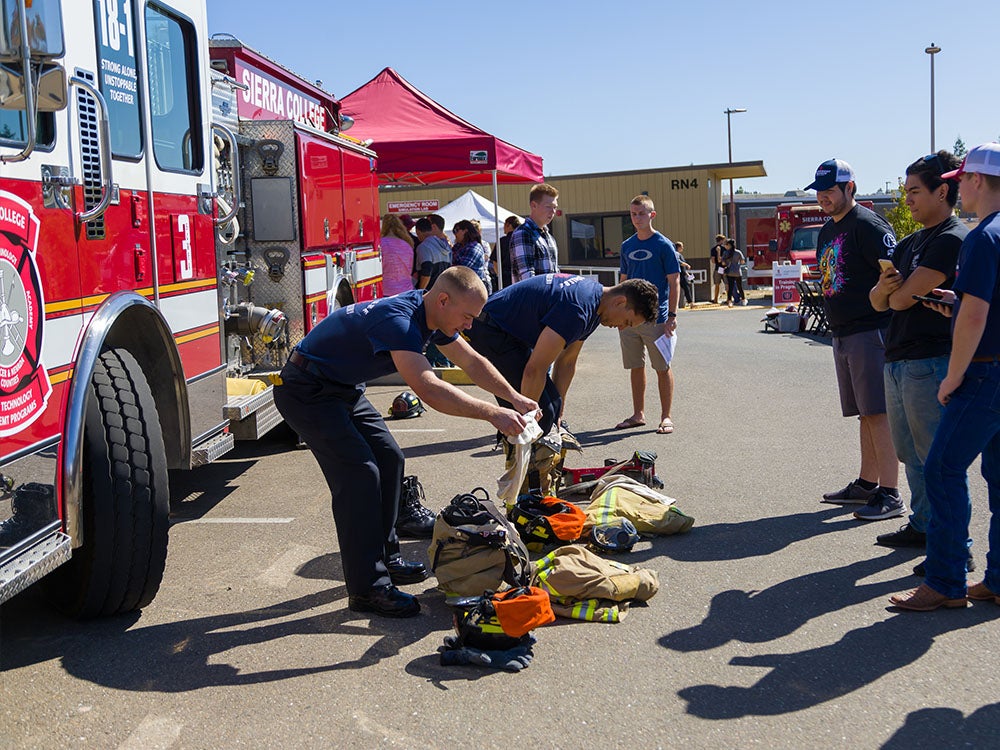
267, 98
412, 207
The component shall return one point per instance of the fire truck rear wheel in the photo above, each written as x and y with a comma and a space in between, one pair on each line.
126, 497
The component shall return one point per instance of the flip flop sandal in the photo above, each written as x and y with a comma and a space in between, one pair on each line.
665, 428
629, 423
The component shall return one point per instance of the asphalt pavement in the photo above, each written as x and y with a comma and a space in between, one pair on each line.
771, 628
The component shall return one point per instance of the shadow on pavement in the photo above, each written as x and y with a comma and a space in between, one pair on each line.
938, 728
761, 616
180, 656
743, 539
808, 678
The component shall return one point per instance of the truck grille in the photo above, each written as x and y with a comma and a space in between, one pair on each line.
90, 155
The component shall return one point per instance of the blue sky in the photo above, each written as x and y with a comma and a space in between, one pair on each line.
594, 87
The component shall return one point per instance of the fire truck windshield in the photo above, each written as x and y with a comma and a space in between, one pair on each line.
805, 238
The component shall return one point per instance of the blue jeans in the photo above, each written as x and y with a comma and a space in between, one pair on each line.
970, 427
911, 387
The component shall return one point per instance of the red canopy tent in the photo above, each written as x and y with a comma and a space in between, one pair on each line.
419, 142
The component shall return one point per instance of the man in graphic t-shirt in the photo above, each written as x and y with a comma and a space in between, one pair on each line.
850, 245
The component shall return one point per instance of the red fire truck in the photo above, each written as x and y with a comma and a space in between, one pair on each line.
175, 215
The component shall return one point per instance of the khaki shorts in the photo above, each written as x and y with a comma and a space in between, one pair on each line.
635, 341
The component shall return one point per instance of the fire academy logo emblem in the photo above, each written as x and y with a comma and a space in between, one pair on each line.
24, 383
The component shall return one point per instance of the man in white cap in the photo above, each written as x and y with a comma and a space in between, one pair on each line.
849, 248
970, 393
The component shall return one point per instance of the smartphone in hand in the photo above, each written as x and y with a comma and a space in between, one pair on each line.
935, 300
885, 264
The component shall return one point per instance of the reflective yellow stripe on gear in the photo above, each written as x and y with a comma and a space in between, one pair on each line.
543, 567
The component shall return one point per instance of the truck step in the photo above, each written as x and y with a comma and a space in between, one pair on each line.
38, 560
211, 449
251, 417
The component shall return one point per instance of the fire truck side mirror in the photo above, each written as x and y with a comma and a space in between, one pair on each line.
43, 21
50, 95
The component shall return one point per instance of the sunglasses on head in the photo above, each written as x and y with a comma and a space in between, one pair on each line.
933, 158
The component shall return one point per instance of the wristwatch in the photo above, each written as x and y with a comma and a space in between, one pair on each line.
671, 315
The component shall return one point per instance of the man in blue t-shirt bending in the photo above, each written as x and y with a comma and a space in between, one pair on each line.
969, 392
542, 322
649, 255
322, 398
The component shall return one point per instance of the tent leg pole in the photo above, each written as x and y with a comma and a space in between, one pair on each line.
496, 227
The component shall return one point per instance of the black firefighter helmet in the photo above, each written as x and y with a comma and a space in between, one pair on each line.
405, 405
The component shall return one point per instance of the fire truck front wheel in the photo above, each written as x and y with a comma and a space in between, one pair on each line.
125, 497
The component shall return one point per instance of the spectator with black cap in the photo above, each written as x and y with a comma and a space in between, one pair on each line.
849, 248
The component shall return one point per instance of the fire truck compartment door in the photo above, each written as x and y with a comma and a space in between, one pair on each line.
321, 179
360, 199
271, 198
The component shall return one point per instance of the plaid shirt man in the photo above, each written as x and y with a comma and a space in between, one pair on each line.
533, 251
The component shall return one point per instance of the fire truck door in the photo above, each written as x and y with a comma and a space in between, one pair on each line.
157, 235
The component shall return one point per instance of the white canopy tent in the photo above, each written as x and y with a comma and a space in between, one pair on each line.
471, 205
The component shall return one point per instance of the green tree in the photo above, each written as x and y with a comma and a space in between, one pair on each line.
899, 216
960, 149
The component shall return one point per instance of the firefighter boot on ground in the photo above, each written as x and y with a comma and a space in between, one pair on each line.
414, 520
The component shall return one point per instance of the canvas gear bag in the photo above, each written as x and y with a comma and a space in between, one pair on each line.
474, 548
585, 586
651, 512
542, 521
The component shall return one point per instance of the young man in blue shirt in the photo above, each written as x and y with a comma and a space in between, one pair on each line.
649, 255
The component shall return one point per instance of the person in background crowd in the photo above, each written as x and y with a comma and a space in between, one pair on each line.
433, 254
469, 251
717, 270
409, 223
501, 254
850, 245
533, 249
322, 397
970, 393
397, 256
685, 277
733, 260
649, 255
918, 340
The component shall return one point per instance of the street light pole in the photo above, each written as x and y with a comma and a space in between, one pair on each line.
932, 50
729, 135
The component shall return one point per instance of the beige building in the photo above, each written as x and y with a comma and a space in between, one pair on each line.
593, 217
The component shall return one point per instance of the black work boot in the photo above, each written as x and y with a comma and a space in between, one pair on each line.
33, 506
414, 520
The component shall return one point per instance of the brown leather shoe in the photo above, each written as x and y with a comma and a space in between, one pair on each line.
980, 593
925, 599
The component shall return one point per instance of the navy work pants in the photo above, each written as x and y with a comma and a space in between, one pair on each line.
362, 464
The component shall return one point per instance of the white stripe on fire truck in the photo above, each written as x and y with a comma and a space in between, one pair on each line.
367, 270
59, 340
316, 280
191, 310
